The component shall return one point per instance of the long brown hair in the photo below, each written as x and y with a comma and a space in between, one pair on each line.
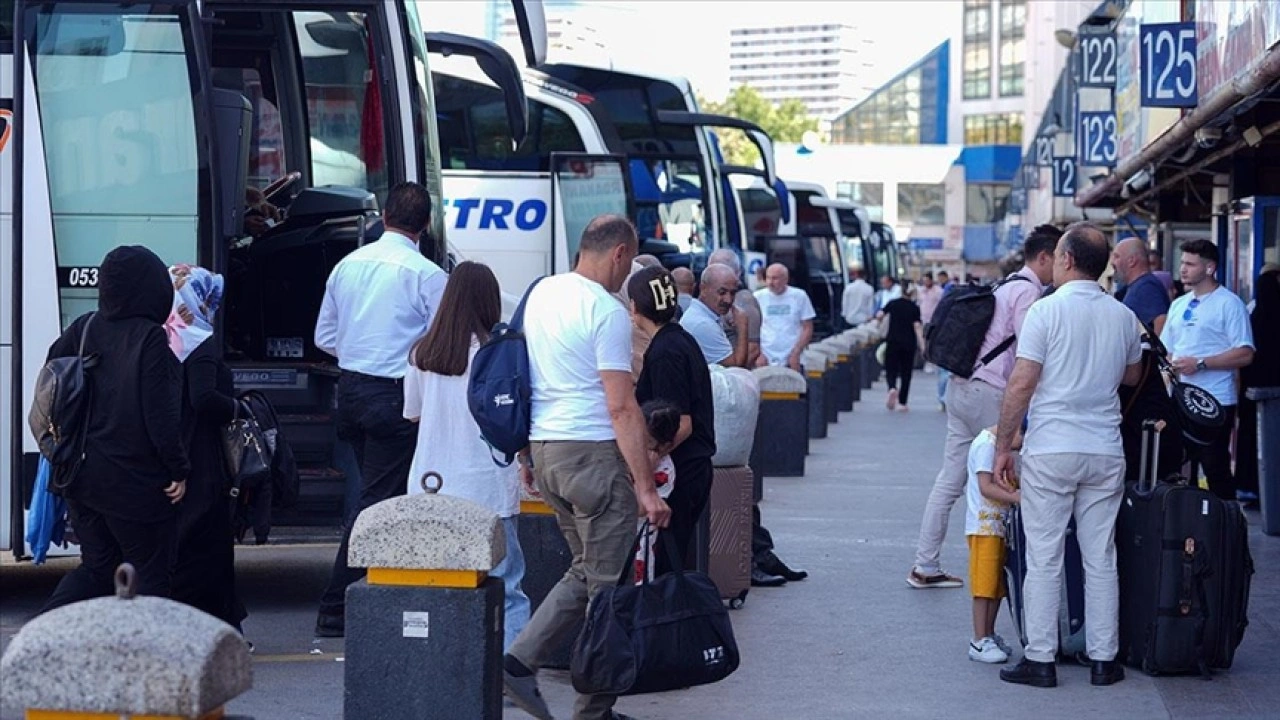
472, 305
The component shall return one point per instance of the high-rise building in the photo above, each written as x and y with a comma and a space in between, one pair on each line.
812, 63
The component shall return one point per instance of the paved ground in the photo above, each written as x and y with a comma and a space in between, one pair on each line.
853, 641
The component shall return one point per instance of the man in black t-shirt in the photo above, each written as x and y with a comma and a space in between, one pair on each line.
905, 336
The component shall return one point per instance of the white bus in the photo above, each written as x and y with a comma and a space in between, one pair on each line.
145, 123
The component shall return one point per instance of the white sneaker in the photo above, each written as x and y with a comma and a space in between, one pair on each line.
1000, 643
986, 651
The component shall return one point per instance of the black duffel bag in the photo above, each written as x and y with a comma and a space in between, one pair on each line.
669, 633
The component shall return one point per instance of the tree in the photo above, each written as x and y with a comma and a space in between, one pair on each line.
786, 122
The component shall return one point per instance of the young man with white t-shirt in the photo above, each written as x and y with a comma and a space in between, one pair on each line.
1209, 337
587, 444
787, 324
1075, 349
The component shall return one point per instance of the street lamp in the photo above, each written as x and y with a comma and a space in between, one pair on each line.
1066, 38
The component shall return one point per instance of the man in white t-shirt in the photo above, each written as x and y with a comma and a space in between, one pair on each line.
702, 319
787, 324
1075, 349
1209, 338
859, 300
587, 444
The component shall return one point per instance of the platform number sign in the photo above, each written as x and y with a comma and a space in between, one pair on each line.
1044, 151
1098, 138
1169, 65
1098, 60
1064, 177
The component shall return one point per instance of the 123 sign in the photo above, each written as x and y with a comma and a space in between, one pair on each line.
1098, 139
1098, 60
1169, 65
1064, 177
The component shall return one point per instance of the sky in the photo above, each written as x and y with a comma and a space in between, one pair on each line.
690, 38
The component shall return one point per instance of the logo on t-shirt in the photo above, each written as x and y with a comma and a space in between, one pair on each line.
779, 309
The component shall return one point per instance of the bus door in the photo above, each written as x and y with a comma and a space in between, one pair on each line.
584, 186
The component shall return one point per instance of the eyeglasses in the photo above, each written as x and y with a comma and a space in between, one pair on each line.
1186, 314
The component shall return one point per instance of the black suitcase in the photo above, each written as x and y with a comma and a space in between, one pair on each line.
1071, 638
1185, 569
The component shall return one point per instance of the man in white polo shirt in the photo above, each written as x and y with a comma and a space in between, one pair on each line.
1075, 348
702, 318
787, 324
1209, 338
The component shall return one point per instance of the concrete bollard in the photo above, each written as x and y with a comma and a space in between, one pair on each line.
782, 426
855, 361
815, 366
546, 560
424, 628
843, 373
124, 657
830, 408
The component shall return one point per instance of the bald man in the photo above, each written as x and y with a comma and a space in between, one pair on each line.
788, 315
1144, 294
747, 317
685, 282
702, 320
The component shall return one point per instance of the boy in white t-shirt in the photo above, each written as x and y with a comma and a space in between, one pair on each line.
988, 506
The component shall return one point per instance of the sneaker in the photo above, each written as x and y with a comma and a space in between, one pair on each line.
891, 400
937, 580
1000, 643
524, 692
987, 651
902, 408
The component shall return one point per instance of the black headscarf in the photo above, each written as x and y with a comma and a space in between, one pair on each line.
134, 282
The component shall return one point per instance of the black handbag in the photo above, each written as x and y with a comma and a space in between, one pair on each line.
669, 633
1199, 414
245, 449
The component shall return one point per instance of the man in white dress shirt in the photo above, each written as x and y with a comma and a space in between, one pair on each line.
379, 300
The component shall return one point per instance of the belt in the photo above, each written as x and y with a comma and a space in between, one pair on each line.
375, 378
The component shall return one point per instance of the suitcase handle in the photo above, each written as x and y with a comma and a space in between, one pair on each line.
1149, 465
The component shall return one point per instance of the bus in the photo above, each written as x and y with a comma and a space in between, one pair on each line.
151, 124
628, 143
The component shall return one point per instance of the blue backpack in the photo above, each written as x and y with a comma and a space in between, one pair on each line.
499, 393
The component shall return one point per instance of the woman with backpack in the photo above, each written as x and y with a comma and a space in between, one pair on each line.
122, 498
449, 441
204, 573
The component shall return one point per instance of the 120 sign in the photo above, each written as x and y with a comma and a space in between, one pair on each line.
1169, 65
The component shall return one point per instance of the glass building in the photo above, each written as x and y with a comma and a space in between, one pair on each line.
910, 109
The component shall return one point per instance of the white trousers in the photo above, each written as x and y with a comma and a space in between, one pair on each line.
1054, 488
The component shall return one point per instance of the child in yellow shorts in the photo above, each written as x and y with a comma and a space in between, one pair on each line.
988, 504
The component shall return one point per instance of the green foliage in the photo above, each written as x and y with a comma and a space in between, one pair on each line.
786, 122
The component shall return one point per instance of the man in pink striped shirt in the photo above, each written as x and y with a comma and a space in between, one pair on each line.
974, 404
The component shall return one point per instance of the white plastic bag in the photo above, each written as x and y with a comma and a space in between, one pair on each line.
736, 397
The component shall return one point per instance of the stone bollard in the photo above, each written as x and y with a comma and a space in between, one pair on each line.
843, 373
815, 367
424, 628
124, 657
855, 362
782, 427
830, 408
546, 560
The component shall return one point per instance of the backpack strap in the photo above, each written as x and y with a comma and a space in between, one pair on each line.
84, 333
517, 319
1007, 342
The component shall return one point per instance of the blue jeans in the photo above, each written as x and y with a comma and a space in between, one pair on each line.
511, 571
943, 377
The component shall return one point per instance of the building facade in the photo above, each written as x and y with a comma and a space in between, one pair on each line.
812, 63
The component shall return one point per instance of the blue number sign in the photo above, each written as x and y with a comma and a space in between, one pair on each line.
1097, 138
1044, 151
1064, 177
1169, 65
1098, 60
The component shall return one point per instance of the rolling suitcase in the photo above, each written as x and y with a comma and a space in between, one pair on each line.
1071, 640
1185, 570
722, 543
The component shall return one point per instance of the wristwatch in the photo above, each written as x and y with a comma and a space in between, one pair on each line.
1201, 365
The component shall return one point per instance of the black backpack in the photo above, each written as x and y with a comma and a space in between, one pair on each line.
59, 416
954, 336
499, 393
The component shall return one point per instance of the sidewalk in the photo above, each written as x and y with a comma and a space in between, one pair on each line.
852, 641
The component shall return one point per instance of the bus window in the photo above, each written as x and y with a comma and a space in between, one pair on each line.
587, 188
475, 134
118, 120
344, 103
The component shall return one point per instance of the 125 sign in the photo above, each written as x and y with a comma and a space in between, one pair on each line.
1098, 60
1064, 177
1098, 138
1169, 65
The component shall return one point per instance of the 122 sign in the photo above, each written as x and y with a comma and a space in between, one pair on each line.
1064, 177
1169, 65
1098, 60
1098, 139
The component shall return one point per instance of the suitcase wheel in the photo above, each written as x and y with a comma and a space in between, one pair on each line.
736, 603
